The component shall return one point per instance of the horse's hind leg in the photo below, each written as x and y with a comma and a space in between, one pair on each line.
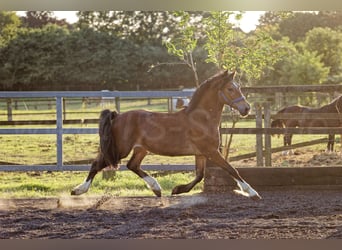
288, 142
331, 141
134, 165
97, 165
200, 165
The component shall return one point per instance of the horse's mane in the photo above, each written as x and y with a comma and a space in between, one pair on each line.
204, 86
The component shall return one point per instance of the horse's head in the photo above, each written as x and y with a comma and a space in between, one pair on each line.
230, 93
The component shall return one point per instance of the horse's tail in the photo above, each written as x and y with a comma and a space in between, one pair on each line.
107, 141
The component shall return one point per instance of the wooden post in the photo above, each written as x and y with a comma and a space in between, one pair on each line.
259, 144
279, 100
169, 105
267, 124
117, 104
108, 173
9, 110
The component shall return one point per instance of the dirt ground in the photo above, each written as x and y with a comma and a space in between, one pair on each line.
279, 215
299, 158
287, 214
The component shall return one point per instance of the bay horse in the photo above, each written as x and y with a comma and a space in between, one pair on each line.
193, 130
333, 107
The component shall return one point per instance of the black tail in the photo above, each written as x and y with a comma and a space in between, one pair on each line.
107, 140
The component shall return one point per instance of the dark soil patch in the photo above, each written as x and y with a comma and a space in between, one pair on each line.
279, 215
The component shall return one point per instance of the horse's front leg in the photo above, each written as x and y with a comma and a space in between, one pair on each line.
200, 165
245, 188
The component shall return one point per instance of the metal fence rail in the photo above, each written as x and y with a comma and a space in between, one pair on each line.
59, 130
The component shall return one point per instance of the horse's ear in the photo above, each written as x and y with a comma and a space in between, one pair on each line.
231, 76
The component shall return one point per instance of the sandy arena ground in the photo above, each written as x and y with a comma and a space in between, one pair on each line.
279, 215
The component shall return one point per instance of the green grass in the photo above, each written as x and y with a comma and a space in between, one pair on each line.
41, 149
55, 184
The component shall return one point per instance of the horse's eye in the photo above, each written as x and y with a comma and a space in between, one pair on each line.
230, 89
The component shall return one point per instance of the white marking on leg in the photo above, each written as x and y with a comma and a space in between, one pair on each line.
152, 183
246, 189
82, 188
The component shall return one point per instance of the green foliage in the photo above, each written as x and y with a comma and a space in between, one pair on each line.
38, 19
9, 23
219, 35
183, 45
137, 26
327, 43
297, 24
303, 68
117, 49
234, 50
35, 55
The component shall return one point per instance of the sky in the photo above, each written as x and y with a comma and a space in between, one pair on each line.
248, 22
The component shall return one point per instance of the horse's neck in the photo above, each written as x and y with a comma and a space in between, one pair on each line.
212, 110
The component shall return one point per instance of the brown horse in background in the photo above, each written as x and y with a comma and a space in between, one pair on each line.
334, 107
193, 130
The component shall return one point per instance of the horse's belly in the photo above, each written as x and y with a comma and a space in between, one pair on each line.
170, 145
171, 148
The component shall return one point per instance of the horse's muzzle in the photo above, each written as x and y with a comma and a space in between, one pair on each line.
243, 108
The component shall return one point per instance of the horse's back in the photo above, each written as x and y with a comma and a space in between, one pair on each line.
160, 133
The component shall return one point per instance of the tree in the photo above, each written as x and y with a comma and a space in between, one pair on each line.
184, 44
38, 19
331, 19
9, 23
33, 56
296, 26
234, 50
327, 43
271, 18
137, 26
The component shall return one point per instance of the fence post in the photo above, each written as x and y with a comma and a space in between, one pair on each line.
59, 131
267, 124
259, 144
9, 110
169, 105
117, 104
64, 109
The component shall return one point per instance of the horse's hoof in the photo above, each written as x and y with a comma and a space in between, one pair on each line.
157, 193
175, 191
73, 192
256, 197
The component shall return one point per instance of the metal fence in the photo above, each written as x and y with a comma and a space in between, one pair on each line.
59, 131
